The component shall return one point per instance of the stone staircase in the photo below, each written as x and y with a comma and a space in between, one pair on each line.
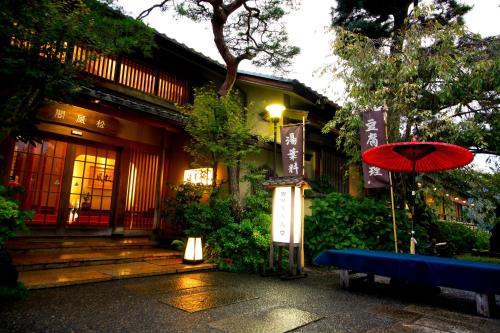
53, 262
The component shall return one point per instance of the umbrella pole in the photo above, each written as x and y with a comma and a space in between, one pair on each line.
413, 241
394, 228
393, 214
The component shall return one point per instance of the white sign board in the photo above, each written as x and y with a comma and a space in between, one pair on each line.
282, 209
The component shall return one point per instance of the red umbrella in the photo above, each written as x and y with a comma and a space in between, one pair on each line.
417, 156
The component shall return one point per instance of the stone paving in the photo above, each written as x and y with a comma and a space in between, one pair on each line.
49, 278
230, 302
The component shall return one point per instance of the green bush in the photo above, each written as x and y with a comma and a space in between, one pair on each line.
17, 293
235, 246
11, 217
339, 221
460, 238
174, 207
246, 244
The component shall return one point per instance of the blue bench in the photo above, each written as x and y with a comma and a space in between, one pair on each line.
481, 278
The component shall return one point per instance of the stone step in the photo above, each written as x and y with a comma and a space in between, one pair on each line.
51, 245
30, 262
90, 274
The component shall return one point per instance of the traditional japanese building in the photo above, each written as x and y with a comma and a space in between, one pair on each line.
104, 162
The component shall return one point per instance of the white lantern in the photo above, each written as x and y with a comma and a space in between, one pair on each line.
194, 251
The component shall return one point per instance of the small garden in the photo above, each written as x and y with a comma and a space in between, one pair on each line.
236, 231
11, 220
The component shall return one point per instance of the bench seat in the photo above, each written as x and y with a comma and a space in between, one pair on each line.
482, 278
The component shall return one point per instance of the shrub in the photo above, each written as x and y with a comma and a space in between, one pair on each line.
16, 293
340, 221
460, 238
245, 243
11, 217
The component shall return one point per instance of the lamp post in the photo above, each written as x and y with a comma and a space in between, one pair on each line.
275, 111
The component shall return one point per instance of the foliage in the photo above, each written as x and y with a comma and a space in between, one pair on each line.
16, 293
243, 30
245, 243
36, 39
340, 221
443, 80
258, 198
377, 19
218, 129
203, 219
219, 134
482, 189
11, 217
461, 238
174, 207
479, 258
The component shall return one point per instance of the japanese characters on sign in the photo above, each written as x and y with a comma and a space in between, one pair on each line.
79, 117
282, 214
372, 135
292, 150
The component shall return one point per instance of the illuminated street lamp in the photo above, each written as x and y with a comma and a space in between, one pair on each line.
275, 111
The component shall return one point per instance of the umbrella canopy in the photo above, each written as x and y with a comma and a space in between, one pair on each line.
422, 156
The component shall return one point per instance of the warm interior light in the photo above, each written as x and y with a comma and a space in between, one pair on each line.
203, 176
275, 111
194, 251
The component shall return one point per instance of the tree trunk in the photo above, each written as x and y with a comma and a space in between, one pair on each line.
234, 191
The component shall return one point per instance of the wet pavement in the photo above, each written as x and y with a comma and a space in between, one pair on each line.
230, 302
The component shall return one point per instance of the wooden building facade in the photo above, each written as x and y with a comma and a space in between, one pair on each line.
104, 161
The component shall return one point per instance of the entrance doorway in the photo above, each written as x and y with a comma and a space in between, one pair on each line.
91, 187
67, 185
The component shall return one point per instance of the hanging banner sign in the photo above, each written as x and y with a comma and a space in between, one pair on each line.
282, 214
292, 150
372, 135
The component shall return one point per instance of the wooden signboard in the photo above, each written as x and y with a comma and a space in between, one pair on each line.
75, 116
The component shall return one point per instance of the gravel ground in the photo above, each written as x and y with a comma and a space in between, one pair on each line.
141, 305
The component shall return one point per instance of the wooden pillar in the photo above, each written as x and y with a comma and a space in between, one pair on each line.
159, 180
121, 194
67, 178
291, 245
6, 154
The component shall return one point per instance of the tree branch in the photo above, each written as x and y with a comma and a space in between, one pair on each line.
148, 11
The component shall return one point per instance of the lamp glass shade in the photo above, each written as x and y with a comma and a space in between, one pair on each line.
194, 251
275, 110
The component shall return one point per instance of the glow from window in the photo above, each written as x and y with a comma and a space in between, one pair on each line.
202, 176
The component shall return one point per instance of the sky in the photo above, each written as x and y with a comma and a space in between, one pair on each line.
308, 29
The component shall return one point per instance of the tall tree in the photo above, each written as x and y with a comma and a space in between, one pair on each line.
36, 38
441, 85
219, 133
242, 30
384, 18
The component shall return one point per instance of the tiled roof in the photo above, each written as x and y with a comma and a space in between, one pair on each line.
174, 116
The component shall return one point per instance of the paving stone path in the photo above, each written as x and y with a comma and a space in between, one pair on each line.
230, 302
